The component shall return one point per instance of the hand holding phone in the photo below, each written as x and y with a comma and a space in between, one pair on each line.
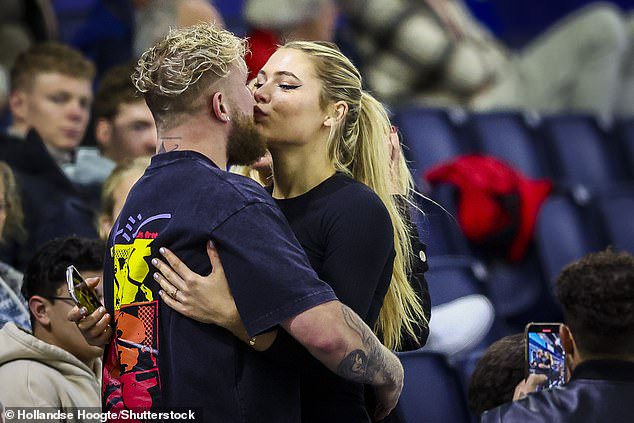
545, 354
79, 290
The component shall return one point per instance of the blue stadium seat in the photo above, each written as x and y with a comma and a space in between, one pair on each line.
616, 214
624, 134
514, 288
453, 277
432, 391
429, 136
578, 151
438, 227
507, 136
561, 235
231, 11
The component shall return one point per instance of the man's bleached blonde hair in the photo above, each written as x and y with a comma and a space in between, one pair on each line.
174, 73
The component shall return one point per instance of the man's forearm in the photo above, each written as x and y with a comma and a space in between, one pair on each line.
336, 336
366, 360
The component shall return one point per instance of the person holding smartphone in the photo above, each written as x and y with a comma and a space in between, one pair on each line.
597, 295
53, 366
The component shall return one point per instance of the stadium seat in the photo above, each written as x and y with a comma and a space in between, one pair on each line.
429, 136
453, 277
616, 215
507, 136
624, 135
432, 391
561, 235
578, 151
519, 292
438, 227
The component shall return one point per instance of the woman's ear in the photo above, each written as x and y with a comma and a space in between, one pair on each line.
218, 109
340, 110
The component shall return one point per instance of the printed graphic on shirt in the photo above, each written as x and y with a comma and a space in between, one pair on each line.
131, 374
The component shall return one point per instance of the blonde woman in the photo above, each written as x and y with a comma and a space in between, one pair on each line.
115, 190
13, 307
331, 178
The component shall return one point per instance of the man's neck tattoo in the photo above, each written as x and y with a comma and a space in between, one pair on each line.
164, 149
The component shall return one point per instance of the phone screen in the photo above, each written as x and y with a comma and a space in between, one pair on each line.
544, 353
83, 295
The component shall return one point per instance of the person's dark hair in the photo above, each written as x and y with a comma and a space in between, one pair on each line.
46, 271
115, 88
597, 294
497, 374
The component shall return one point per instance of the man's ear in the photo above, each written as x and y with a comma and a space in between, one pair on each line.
103, 132
219, 108
17, 105
39, 308
567, 340
340, 110
570, 347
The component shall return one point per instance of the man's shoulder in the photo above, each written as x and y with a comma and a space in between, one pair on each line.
245, 187
39, 384
580, 400
238, 190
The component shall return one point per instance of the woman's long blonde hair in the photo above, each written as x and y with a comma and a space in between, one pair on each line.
358, 148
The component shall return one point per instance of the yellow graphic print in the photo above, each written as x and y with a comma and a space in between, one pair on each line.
130, 271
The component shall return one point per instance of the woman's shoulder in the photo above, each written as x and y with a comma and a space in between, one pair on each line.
356, 200
351, 191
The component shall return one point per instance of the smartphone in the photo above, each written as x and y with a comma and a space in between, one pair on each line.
545, 354
83, 295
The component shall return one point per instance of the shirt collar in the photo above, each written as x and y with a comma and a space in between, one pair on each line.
163, 159
619, 370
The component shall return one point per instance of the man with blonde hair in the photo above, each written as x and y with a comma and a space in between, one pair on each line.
194, 82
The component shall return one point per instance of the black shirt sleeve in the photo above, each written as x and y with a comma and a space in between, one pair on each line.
359, 251
268, 272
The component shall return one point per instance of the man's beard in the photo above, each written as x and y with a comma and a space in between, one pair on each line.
245, 144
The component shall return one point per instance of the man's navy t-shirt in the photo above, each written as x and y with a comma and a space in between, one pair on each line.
160, 358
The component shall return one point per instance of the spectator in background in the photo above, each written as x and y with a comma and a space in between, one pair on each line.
22, 23
497, 373
124, 129
54, 366
13, 308
124, 126
154, 18
436, 52
115, 191
274, 22
50, 105
597, 295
